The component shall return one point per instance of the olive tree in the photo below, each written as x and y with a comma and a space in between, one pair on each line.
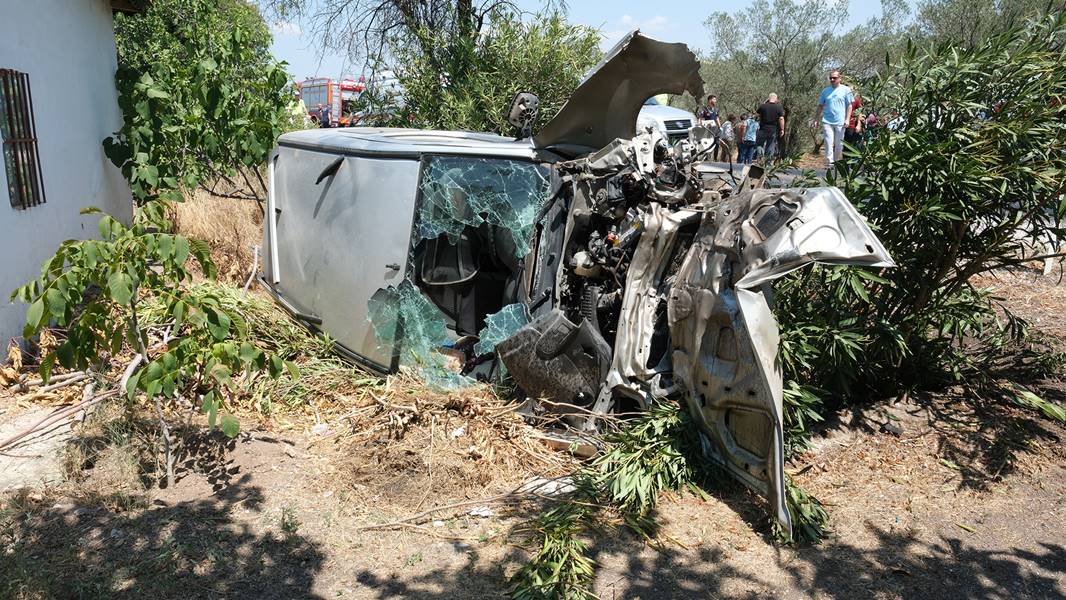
966, 178
471, 90
781, 46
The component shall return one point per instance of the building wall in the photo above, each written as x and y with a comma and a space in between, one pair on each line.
67, 47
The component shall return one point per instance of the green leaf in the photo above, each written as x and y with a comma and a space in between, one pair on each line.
181, 249
45, 369
221, 374
65, 353
106, 227
212, 413
294, 371
91, 252
150, 174
57, 303
131, 384
248, 353
121, 287
179, 314
1050, 409
165, 243
230, 425
274, 366
35, 314
157, 93
154, 371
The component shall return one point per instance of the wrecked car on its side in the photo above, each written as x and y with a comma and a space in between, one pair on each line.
601, 270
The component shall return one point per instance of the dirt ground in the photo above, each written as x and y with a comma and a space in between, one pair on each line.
967, 499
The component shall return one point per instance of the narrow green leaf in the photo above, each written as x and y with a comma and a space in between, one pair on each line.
46, 367
131, 384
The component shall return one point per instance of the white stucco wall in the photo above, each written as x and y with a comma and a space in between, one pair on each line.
68, 49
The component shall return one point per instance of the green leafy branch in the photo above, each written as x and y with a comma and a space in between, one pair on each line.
658, 452
201, 97
94, 289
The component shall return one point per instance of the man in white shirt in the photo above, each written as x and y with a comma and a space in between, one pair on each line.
834, 112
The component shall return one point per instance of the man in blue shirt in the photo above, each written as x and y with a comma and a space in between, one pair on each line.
834, 112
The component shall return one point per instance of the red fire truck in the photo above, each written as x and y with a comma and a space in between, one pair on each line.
338, 95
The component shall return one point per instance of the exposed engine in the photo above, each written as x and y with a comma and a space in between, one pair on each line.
650, 279
610, 201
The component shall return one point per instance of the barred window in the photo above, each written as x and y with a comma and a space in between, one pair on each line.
22, 161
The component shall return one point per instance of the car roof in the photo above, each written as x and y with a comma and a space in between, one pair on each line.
394, 141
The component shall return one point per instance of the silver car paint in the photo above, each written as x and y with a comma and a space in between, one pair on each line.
723, 333
341, 239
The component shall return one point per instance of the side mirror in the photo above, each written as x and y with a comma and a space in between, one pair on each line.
523, 113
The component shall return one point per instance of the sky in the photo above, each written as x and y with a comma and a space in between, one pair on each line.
667, 20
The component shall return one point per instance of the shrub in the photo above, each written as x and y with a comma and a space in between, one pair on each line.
97, 291
473, 89
966, 178
201, 96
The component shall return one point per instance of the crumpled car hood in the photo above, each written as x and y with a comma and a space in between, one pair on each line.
605, 105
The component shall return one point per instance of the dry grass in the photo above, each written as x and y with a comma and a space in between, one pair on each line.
231, 227
1031, 295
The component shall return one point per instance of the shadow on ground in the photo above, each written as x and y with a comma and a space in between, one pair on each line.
193, 549
897, 567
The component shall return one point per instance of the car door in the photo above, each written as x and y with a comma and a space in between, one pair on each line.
723, 333
343, 232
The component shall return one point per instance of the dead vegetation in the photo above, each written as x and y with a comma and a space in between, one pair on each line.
231, 226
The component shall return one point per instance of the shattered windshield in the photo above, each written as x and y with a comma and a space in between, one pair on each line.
461, 191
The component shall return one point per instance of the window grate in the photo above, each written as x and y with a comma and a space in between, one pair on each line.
22, 160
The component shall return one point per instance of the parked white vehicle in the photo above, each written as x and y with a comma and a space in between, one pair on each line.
672, 122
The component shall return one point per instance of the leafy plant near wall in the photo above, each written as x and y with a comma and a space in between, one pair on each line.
202, 99
95, 290
968, 178
469, 85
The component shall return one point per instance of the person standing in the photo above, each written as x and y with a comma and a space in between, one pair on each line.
726, 139
771, 127
327, 116
853, 133
708, 114
742, 130
747, 139
834, 112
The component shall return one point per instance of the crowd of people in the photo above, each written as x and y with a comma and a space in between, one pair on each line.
758, 135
